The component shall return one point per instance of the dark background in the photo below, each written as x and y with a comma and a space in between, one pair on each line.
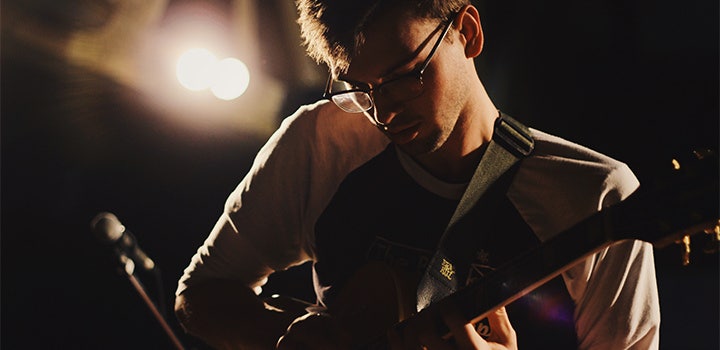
637, 80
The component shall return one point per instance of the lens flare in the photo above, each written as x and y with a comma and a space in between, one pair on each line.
230, 79
194, 69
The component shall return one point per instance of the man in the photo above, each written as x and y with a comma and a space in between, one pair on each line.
331, 188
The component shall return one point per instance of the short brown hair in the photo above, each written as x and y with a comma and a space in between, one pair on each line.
333, 30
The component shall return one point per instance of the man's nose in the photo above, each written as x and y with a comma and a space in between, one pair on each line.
385, 109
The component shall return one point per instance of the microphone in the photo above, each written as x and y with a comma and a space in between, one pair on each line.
108, 229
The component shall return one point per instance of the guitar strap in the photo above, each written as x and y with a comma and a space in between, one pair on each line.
511, 142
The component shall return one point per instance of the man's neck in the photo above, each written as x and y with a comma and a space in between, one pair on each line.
456, 160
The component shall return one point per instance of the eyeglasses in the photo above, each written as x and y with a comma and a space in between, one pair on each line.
400, 88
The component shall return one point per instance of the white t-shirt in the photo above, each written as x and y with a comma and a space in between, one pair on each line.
271, 219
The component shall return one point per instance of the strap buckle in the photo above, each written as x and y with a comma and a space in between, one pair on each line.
513, 135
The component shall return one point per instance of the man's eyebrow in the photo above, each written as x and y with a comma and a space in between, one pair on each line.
388, 72
353, 82
401, 64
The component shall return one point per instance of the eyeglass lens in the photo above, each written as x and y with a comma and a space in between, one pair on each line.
353, 102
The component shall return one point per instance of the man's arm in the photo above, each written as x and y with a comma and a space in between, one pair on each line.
228, 315
215, 300
617, 298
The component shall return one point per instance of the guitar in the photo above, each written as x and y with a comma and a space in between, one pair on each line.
680, 202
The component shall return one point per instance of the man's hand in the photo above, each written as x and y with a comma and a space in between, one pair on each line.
423, 334
321, 332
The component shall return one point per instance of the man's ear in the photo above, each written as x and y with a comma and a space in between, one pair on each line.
468, 23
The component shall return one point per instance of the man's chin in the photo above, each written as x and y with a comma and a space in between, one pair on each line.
418, 147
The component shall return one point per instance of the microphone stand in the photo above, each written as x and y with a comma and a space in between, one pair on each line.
129, 269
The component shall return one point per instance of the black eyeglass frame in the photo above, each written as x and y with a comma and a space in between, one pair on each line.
417, 73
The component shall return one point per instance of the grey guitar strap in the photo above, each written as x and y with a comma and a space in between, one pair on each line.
511, 142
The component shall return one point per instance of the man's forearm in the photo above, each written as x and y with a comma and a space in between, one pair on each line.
228, 315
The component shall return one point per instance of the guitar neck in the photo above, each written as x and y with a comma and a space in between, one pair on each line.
550, 259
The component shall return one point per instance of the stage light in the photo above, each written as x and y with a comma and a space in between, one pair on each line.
198, 69
194, 69
177, 61
230, 79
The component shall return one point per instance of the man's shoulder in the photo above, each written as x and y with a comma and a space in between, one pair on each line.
549, 146
323, 115
562, 182
325, 128
555, 154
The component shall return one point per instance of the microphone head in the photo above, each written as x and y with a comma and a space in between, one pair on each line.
107, 227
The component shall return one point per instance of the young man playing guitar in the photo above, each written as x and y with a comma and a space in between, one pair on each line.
331, 188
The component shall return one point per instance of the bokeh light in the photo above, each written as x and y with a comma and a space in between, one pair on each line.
194, 69
230, 79
199, 69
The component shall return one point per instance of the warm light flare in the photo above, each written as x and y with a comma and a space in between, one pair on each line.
194, 69
199, 69
230, 79
176, 65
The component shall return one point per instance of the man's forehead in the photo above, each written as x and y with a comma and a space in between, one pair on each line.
389, 45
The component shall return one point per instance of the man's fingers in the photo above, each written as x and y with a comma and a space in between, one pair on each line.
463, 333
502, 331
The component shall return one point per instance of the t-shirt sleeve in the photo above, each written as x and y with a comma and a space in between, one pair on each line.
615, 290
268, 220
